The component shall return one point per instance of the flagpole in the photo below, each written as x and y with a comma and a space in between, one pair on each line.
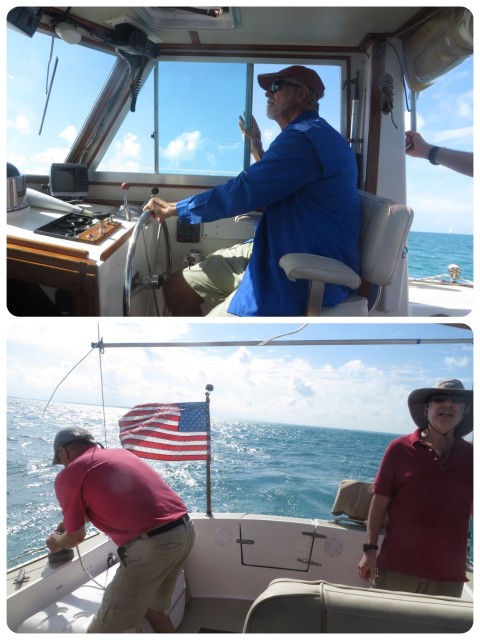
208, 388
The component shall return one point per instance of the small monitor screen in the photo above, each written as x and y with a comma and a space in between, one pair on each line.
66, 180
69, 180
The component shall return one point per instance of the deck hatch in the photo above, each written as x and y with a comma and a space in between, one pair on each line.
263, 544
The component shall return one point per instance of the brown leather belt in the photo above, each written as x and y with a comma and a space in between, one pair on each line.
168, 526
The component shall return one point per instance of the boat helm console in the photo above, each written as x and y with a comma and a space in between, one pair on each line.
84, 227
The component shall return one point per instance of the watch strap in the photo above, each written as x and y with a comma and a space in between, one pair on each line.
370, 547
432, 153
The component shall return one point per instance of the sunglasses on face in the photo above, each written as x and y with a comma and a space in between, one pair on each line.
278, 84
443, 398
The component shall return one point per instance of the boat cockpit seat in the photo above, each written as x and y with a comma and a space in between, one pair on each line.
352, 502
299, 606
383, 238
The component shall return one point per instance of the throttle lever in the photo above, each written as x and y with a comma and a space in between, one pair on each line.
153, 192
126, 187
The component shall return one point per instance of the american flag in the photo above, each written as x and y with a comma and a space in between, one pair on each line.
179, 431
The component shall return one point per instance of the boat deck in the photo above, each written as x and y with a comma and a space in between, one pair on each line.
429, 299
214, 615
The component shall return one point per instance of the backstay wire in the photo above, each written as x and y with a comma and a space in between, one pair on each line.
100, 353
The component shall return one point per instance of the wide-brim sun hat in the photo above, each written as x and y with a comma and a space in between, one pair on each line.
303, 75
68, 436
452, 387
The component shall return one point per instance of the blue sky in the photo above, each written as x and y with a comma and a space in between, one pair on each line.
442, 199
357, 387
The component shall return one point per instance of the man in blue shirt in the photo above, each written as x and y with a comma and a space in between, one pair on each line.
306, 184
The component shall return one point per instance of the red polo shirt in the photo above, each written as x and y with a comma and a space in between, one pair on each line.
118, 492
429, 512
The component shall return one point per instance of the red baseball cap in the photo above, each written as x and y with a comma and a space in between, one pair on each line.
302, 75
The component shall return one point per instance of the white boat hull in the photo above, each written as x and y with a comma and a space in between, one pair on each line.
234, 560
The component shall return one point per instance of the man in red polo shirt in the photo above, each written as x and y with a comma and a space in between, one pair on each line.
425, 487
124, 497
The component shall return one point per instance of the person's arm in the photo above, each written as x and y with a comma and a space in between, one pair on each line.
64, 540
290, 163
255, 137
460, 161
367, 567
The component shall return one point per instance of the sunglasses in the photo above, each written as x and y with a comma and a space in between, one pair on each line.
443, 398
277, 85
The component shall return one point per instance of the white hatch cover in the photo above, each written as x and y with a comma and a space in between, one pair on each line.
280, 543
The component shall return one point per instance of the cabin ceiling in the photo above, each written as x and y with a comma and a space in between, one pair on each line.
343, 27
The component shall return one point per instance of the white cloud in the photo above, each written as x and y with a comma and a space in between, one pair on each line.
302, 388
458, 135
51, 154
39, 162
464, 105
457, 363
182, 148
127, 155
265, 384
69, 134
22, 124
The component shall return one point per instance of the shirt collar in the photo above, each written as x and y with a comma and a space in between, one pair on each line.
415, 438
305, 115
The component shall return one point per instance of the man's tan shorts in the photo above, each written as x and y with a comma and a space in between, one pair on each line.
393, 581
217, 277
145, 580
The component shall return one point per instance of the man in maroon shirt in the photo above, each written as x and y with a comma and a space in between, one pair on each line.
124, 497
425, 488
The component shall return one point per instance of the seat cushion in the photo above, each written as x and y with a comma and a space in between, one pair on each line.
352, 306
300, 606
385, 227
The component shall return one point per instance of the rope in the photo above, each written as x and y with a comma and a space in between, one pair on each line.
87, 572
268, 340
64, 378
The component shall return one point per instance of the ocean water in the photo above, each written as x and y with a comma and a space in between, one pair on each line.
429, 254
274, 469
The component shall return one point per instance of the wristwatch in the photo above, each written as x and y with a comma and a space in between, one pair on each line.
370, 547
432, 155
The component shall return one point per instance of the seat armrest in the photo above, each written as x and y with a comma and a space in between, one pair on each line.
250, 218
307, 266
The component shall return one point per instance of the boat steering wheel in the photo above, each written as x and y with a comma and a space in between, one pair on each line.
148, 264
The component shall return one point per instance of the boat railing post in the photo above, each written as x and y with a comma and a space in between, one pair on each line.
208, 388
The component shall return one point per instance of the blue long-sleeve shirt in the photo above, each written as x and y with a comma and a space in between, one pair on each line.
306, 184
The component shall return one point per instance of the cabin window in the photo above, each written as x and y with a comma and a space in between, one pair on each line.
52, 87
42, 127
198, 108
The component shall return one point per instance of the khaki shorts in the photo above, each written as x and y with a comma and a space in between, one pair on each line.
393, 581
216, 278
145, 580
